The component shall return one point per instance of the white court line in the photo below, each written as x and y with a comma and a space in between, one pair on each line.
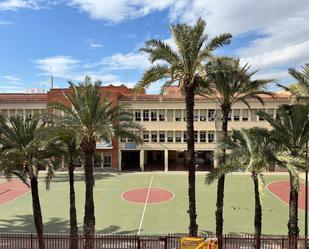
145, 205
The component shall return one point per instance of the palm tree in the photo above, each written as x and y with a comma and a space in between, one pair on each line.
248, 150
290, 131
183, 65
23, 153
71, 154
301, 89
226, 83
92, 118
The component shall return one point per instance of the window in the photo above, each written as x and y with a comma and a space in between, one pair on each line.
253, 115
211, 137
154, 137
170, 137
28, 113
184, 115
146, 136
260, 117
107, 160
162, 136
146, 115
230, 116
202, 115
195, 117
123, 139
170, 115
138, 116
195, 136
130, 140
245, 115
178, 136
178, 115
202, 136
211, 115
161, 115
236, 114
153, 115
185, 136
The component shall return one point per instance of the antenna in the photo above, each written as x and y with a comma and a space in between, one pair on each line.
51, 77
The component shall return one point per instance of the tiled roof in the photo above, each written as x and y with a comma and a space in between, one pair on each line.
23, 97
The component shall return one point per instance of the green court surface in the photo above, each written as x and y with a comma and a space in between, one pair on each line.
116, 215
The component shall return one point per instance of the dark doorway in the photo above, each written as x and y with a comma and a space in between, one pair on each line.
130, 160
204, 160
154, 160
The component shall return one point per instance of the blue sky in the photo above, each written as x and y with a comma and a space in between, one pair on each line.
101, 38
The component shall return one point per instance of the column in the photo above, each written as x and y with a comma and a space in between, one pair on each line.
215, 159
102, 160
141, 159
165, 160
119, 160
62, 162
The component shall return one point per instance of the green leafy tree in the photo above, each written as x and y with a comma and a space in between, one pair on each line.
248, 150
93, 118
24, 153
226, 83
290, 131
183, 65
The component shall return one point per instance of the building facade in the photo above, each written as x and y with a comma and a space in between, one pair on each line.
163, 119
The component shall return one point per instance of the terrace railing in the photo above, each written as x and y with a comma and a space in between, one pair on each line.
54, 241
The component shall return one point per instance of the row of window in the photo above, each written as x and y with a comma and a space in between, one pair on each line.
199, 115
174, 137
21, 112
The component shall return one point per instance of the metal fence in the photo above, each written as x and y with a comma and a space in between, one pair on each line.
52, 241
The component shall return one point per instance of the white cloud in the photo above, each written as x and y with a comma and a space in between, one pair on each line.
12, 78
95, 45
19, 4
3, 23
59, 66
121, 61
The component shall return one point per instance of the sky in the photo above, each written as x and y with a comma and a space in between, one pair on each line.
101, 38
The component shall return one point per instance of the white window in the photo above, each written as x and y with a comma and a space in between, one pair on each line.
138, 115
245, 115
161, 115
153, 115
202, 136
202, 115
146, 115
236, 114
169, 115
154, 137
162, 136
146, 136
178, 136
107, 160
170, 137
211, 137
211, 115
185, 136
178, 115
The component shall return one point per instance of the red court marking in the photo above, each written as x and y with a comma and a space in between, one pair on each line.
281, 189
156, 195
11, 190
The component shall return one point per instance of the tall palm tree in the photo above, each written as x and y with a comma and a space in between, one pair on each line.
183, 65
249, 150
23, 153
290, 131
226, 83
71, 154
93, 118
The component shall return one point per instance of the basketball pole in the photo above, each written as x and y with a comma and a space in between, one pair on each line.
306, 199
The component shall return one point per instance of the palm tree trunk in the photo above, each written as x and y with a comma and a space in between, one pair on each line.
293, 215
88, 147
258, 213
73, 219
37, 212
221, 182
189, 98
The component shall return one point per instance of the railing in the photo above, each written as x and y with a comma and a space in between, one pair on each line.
52, 241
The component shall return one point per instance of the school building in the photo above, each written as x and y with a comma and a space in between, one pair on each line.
163, 119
